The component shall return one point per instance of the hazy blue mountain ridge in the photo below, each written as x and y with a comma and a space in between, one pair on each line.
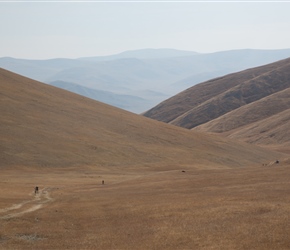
143, 54
122, 101
141, 73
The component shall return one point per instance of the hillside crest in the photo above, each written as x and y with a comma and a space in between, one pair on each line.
232, 102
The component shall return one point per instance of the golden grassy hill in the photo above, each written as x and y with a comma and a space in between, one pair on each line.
245, 100
45, 126
264, 122
165, 187
208, 100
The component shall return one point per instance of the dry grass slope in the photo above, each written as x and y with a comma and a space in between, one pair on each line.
45, 126
242, 208
243, 106
251, 113
165, 187
235, 89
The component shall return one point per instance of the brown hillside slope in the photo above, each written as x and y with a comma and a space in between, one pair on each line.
67, 144
45, 126
265, 122
272, 132
209, 100
250, 113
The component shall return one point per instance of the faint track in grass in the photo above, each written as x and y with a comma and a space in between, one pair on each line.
28, 206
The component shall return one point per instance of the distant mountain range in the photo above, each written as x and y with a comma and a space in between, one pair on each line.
117, 100
138, 80
144, 54
252, 105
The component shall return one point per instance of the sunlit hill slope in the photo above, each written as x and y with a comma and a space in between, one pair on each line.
44, 126
111, 179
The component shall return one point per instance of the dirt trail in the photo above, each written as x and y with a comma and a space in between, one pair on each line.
38, 200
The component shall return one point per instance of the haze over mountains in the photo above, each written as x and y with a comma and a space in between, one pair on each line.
251, 105
138, 80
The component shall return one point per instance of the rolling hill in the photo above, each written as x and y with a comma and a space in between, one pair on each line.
111, 179
42, 125
264, 122
233, 102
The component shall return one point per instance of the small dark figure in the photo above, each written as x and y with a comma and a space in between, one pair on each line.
277, 162
36, 190
103, 182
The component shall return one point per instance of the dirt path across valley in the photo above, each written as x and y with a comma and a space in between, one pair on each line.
38, 201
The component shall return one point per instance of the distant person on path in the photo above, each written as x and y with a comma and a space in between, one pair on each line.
36, 190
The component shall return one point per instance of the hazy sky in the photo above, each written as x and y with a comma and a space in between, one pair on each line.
72, 29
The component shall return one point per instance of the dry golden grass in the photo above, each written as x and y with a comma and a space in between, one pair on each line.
43, 126
245, 208
251, 105
165, 187
209, 100
265, 122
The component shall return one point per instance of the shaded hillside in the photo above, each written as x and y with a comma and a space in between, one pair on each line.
44, 126
272, 132
265, 122
212, 99
251, 113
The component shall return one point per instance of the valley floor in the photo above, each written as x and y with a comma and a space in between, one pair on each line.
245, 208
